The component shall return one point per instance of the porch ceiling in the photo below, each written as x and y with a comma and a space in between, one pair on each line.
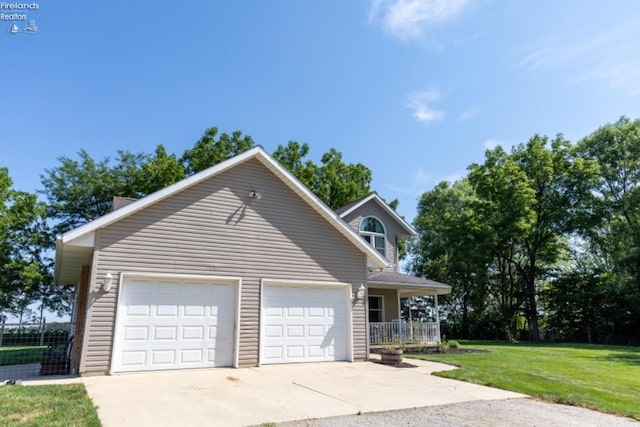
69, 262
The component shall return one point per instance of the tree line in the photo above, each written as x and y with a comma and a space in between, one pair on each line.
539, 242
80, 189
542, 242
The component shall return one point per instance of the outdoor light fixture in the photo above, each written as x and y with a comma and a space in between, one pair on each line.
108, 280
255, 195
359, 294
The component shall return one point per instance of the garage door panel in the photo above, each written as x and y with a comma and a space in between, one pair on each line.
163, 357
295, 331
137, 310
134, 358
136, 333
171, 324
169, 333
304, 324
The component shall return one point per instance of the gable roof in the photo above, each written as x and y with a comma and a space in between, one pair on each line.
83, 238
346, 210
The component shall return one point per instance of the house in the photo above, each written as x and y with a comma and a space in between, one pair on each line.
239, 265
383, 228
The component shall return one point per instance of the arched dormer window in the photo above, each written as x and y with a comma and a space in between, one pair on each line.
372, 230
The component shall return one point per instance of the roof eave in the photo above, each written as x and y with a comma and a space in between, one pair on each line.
439, 289
373, 196
81, 232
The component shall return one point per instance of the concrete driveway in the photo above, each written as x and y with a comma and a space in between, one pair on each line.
274, 393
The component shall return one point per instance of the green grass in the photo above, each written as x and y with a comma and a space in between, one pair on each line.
20, 355
604, 378
47, 405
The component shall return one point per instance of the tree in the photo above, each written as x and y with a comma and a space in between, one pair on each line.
24, 238
610, 206
449, 247
292, 157
209, 151
335, 182
505, 210
158, 172
546, 165
79, 191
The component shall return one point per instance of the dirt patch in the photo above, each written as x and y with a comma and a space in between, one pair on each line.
453, 351
395, 365
435, 350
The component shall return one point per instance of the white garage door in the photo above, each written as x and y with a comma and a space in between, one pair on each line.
304, 324
171, 324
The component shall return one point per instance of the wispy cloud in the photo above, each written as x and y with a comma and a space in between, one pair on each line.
421, 178
408, 19
469, 114
595, 55
421, 104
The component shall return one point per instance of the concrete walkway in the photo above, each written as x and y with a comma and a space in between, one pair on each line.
274, 393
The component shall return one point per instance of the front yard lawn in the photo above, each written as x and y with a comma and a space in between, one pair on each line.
47, 405
20, 355
604, 378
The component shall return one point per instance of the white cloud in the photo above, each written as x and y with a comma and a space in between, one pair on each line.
407, 19
469, 113
421, 178
590, 56
420, 102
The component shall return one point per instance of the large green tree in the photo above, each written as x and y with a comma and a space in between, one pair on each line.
81, 190
78, 191
335, 182
212, 149
610, 211
24, 239
449, 247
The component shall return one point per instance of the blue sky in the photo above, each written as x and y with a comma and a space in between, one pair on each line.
414, 89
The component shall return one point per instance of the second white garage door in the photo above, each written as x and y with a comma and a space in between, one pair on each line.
174, 324
304, 324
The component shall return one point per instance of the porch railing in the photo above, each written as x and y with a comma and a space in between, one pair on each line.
381, 333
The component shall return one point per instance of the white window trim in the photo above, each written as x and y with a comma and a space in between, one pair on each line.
373, 234
381, 309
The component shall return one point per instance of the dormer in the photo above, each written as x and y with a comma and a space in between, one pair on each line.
378, 225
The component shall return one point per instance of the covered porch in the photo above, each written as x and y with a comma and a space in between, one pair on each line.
386, 290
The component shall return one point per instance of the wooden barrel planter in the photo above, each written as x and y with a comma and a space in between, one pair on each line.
391, 357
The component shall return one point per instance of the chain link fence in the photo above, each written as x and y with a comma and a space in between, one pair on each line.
31, 350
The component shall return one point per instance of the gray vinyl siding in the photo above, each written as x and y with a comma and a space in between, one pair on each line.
214, 228
392, 228
390, 302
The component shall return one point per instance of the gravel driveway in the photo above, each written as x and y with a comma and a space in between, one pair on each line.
495, 413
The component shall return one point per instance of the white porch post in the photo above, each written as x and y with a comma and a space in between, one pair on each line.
399, 312
435, 297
